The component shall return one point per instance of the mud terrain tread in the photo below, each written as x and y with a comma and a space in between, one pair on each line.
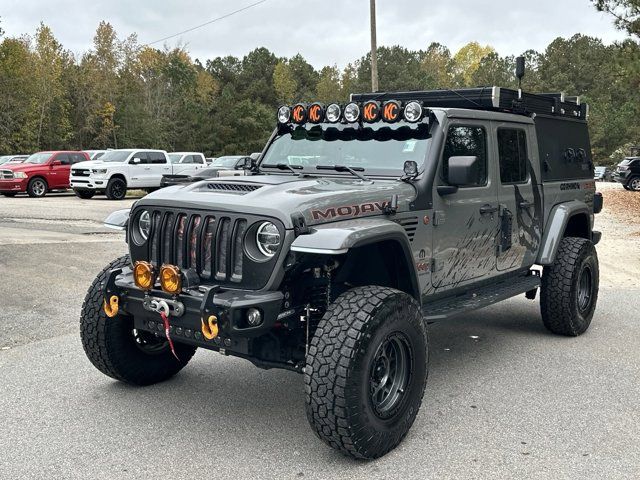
559, 312
342, 331
106, 351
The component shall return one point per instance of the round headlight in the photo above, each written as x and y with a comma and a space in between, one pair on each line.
284, 114
352, 112
412, 112
268, 239
333, 113
144, 224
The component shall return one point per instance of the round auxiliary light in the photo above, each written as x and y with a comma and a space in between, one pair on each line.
299, 113
144, 275
284, 114
371, 111
352, 112
412, 112
333, 113
268, 239
315, 113
170, 279
391, 111
254, 317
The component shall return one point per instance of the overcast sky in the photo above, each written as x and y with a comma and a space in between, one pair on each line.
323, 31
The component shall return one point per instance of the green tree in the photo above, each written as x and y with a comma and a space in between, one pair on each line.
625, 12
467, 61
284, 83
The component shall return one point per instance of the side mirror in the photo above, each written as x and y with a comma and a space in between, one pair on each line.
463, 171
249, 163
135, 160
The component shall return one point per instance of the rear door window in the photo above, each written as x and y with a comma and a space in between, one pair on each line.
512, 150
157, 157
63, 158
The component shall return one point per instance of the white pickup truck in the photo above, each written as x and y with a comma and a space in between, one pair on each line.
120, 170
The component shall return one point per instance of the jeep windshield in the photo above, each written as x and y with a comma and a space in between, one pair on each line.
115, 156
379, 149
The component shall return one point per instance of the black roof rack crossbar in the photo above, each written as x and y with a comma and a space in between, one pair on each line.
490, 98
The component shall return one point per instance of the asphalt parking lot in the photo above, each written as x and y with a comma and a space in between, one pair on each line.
505, 399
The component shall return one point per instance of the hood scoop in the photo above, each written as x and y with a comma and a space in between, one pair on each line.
237, 188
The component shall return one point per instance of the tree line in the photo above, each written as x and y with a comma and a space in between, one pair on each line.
122, 94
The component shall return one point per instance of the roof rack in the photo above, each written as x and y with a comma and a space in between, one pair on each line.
490, 98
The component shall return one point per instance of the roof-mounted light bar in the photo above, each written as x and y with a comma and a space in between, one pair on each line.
371, 111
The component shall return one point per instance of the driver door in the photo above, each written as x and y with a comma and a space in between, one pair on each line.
465, 222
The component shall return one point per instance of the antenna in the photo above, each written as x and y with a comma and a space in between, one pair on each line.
520, 71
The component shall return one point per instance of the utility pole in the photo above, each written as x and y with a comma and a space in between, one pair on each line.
374, 48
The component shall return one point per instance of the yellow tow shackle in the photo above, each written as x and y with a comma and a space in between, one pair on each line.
111, 308
210, 329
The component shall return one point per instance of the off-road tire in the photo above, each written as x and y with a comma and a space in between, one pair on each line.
111, 347
37, 187
84, 194
116, 189
339, 366
9, 194
634, 184
561, 289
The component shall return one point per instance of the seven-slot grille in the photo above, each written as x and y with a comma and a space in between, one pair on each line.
6, 174
80, 172
212, 245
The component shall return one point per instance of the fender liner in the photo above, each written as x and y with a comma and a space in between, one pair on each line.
555, 227
340, 237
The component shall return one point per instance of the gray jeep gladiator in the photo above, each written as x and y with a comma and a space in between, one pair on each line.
358, 226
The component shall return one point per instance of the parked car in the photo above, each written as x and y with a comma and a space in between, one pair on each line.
40, 173
12, 158
188, 158
628, 173
170, 180
95, 154
230, 165
120, 170
603, 174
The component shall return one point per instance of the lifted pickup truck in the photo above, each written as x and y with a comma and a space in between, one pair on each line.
361, 224
119, 170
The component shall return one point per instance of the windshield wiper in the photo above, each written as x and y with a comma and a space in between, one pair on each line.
284, 166
344, 168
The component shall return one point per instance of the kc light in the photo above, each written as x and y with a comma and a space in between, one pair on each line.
371, 111
333, 113
170, 279
412, 112
19, 175
299, 113
268, 239
391, 111
144, 275
352, 112
284, 114
315, 112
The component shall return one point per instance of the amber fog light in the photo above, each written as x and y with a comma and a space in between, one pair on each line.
170, 279
144, 275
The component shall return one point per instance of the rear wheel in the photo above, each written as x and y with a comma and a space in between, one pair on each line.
37, 187
569, 290
116, 189
120, 351
634, 184
84, 194
366, 371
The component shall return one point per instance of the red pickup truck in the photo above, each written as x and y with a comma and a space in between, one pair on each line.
39, 174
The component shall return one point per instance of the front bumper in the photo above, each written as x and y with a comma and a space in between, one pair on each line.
88, 183
191, 309
14, 185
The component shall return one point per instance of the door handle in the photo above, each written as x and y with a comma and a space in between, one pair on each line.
525, 204
147, 168
488, 210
